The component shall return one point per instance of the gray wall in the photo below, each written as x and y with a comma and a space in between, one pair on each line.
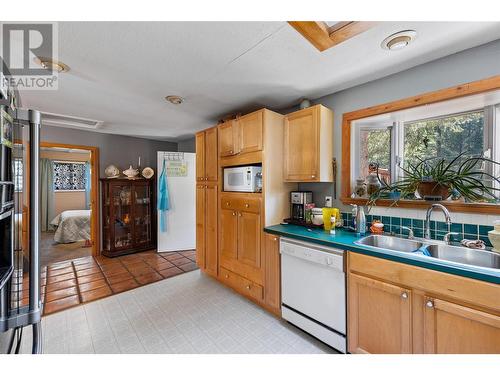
113, 149
467, 66
187, 145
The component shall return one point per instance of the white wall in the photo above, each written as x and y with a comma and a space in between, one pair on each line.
467, 66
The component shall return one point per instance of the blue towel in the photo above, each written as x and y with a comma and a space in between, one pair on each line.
163, 198
422, 250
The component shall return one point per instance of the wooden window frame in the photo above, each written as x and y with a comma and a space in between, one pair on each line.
323, 37
471, 88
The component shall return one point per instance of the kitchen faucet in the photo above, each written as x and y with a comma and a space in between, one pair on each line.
427, 233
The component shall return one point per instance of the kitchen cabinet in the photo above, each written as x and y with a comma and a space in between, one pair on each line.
450, 328
207, 206
241, 228
308, 145
242, 135
379, 317
272, 278
399, 308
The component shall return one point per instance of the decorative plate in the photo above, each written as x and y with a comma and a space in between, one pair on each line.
148, 172
112, 171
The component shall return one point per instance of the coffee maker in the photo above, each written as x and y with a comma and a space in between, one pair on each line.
298, 202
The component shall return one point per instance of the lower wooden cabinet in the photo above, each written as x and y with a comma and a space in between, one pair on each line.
206, 228
379, 317
450, 328
398, 308
272, 273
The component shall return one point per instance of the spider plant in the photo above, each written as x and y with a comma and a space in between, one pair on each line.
462, 175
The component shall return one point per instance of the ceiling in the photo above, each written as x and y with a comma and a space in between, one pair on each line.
121, 71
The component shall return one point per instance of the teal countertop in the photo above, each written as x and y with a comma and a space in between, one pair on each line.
344, 239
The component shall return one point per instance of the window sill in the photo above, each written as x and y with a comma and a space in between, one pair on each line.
479, 208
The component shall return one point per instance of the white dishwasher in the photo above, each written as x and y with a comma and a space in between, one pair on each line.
313, 293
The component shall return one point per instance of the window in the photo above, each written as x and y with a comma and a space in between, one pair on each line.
395, 138
69, 176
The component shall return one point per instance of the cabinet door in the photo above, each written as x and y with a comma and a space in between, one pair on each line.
200, 156
250, 132
141, 194
228, 234
211, 206
272, 289
454, 329
121, 220
200, 225
379, 317
211, 155
249, 230
302, 145
228, 138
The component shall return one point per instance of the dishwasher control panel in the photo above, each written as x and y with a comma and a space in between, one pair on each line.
329, 257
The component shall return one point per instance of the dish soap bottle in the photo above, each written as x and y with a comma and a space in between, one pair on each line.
361, 221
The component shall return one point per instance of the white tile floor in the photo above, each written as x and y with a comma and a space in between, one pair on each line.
189, 313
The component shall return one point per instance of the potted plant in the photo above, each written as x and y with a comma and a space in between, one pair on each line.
436, 178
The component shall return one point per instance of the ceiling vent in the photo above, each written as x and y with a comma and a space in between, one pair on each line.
53, 119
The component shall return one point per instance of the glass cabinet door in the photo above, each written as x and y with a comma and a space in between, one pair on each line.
142, 214
121, 199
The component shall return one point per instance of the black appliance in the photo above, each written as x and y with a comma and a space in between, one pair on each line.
19, 213
298, 202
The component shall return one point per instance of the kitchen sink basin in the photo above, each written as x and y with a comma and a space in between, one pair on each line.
391, 243
436, 250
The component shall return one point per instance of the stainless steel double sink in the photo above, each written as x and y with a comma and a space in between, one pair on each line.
434, 249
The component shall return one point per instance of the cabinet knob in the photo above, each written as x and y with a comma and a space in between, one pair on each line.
239, 214
227, 204
247, 205
404, 295
248, 287
231, 151
275, 239
234, 213
226, 276
429, 304
313, 176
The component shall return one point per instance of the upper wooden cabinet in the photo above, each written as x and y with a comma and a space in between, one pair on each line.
398, 308
308, 145
242, 135
206, 155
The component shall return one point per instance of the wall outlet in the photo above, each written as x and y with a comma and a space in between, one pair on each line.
328, 201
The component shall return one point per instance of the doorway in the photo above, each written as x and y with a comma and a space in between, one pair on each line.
69, 202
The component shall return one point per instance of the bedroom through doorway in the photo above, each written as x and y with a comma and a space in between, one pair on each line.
68, 179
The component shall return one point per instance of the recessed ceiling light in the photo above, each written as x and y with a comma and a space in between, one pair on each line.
48, 63
399, 40
174, 99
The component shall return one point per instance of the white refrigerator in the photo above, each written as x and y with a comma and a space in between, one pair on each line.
180, 219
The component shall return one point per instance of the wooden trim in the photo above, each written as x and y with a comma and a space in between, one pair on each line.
94, 162
323, 37
471, 88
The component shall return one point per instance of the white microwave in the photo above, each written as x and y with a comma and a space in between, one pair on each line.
246, 179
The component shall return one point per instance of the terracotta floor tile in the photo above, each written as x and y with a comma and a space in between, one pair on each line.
56, 266
88, 271
119, 278
84, 260
179, 262
171, 272
61, 293
148, 278
124, 285
188, 267
104, 260
114, 269
61, 271
60, 304
92, 295
61, 285
85, 266
56, 279
92, 285
162, 266
171, 256
89, 278
138, 271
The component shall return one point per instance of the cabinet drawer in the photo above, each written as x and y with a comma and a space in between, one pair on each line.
241, 284
241, 204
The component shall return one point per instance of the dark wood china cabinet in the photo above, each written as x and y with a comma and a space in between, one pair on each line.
128, 216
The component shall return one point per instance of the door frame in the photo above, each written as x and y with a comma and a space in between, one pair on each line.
94, 194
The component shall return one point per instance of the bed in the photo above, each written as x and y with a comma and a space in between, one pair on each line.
72, 226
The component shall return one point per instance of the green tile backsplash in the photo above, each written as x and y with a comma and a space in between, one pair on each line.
393, 224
